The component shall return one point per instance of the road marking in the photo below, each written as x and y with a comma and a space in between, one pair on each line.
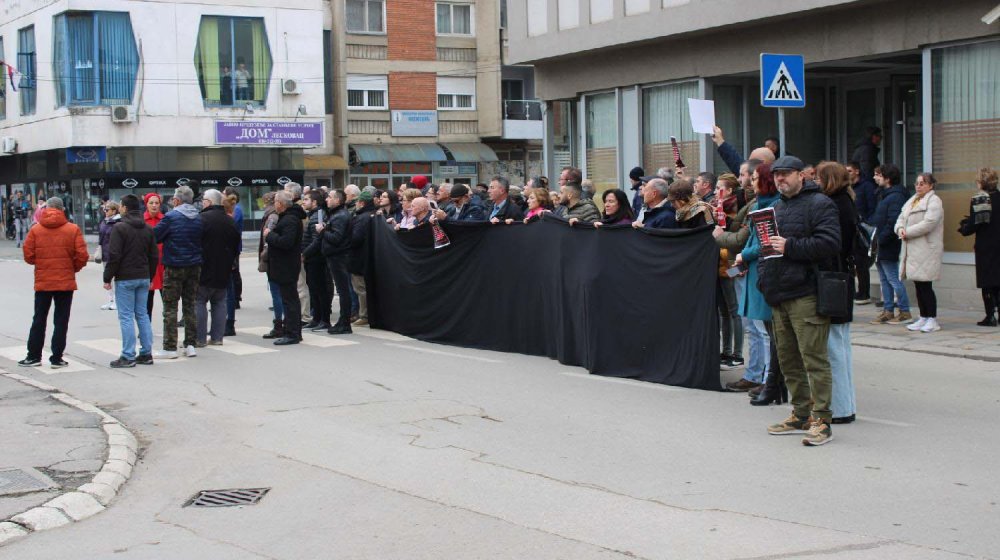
622, 381
15, 353
443, 353
886, 422
237, 348
383, 335
308, 338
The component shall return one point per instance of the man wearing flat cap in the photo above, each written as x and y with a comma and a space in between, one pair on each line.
808, 239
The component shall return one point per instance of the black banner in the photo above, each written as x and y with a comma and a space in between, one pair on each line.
619, 302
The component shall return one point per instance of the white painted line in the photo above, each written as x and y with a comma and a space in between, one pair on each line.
112, 346
380, 334
15, 353
443, 353
234, 347
259, 331
886, 422
622, 381
326, 341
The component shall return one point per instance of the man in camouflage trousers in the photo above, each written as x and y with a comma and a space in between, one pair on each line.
180, 232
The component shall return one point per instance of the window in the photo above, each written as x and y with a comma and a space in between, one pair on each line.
569, 14
602, 140
233, 61
366, 16
601, 10
26, 60
95, 60
503, 14
538, 14
456, 94
665, 113
3, 85
366, 92
454, 19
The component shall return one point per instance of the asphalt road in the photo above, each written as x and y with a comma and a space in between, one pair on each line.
378, 446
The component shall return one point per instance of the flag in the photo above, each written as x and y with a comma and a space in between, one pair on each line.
11, 74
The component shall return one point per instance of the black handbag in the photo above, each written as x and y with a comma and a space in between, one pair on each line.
833, 292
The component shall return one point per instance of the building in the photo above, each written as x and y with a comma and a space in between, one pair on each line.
128, 96
421, 88
616, 76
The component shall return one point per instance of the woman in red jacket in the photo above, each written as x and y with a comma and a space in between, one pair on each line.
153, 217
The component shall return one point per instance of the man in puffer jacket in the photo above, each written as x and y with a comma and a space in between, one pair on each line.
180, 233
808, 228
57, 250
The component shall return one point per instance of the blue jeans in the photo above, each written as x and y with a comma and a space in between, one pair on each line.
839, 350
131, 300
888, 275
279, 311
759, 351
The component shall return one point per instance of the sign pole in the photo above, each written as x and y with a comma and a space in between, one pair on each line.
781, 131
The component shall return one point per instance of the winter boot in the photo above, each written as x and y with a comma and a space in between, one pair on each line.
278, 331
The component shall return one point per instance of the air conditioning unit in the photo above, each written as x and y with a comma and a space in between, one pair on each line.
8, 145
290, 87
122, 114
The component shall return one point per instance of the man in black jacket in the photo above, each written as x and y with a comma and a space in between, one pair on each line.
284, 261
132, 259
503, 207
808, 239
357, 260
866, 152
317, 275
220, 244
463, 208
336, 244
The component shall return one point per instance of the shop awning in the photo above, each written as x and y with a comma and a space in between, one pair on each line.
323, 163
470, 151
372, 153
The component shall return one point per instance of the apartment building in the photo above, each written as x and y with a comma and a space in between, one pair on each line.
616, 75
421, 87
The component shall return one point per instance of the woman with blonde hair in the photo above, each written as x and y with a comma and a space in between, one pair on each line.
920, 226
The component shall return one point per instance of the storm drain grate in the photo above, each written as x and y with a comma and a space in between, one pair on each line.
227, 498
20, 481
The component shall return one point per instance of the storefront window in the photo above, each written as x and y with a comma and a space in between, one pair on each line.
664, 114
602, 141
966, 126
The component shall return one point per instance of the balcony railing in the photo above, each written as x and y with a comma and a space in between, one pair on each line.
522, 110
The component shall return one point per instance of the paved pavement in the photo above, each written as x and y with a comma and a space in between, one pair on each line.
378, 446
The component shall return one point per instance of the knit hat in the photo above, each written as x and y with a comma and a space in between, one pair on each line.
149, 195
636, 174
419, 181
366, 196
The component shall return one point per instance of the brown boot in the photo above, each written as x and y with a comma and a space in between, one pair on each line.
741, 386
903, 318
882, 318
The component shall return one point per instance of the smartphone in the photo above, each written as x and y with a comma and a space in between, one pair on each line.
733, 271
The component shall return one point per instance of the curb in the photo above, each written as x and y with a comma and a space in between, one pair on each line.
90, 498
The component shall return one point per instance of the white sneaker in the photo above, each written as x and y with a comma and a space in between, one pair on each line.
917, 325
112, 306
165, 354
931, 325
190, 352
107, 306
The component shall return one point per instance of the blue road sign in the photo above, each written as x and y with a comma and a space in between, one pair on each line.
782, 81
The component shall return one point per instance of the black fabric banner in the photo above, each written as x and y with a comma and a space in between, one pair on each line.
619, 302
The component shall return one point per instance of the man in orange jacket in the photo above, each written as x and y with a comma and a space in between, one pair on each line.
56, 248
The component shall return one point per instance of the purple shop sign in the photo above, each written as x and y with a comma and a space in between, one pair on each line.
255, 133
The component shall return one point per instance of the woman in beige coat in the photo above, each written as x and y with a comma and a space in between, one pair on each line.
921, 227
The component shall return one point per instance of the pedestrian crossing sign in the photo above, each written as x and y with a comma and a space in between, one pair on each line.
782, 81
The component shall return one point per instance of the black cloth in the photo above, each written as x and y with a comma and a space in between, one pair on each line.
284, 247
926, 299
357, 260
342, 281
663, 329
987, 248
293, 307
862, 266
811, 228
60, 324
220, 245
132, 252
847, 214
318, 282
337, 233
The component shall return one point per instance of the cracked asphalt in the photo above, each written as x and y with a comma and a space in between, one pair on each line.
390, 448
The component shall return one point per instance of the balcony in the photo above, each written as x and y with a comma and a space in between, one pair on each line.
522, 119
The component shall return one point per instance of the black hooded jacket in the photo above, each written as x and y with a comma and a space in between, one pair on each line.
284, 246
132, 252
220, 244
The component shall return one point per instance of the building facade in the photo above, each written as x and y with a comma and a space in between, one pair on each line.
421, 87
616, 75
110, 97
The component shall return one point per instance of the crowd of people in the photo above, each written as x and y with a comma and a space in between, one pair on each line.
782, 318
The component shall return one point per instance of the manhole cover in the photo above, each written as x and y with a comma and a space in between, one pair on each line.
226, 498
20, 481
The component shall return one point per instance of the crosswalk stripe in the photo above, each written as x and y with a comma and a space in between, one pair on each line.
383, 335
309, 339
15, 353
238, 348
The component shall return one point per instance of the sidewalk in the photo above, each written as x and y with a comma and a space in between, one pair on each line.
959, 336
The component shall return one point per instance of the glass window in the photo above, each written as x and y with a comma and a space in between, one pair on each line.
665, 114
366, 16
965, 110
563, 137
602, 141
456, 93
3, 85
95, 59
454, 19
233, 61
367, 92
26, 64
729, 117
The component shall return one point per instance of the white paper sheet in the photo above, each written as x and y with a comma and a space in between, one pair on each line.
702, 115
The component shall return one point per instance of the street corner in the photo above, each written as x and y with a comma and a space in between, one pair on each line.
65, 459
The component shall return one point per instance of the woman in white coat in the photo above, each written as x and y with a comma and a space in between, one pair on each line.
921, 228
